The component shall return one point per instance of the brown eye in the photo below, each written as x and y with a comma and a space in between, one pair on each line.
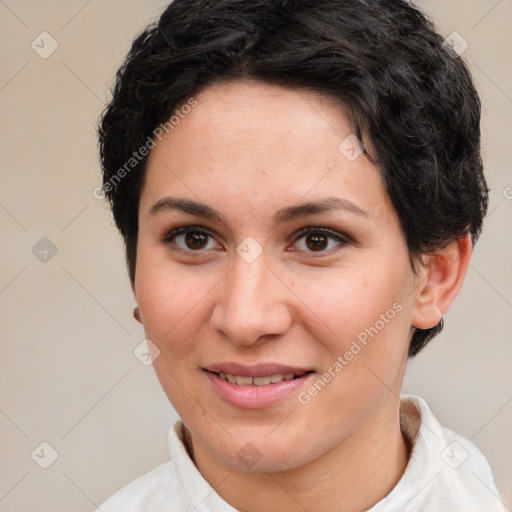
319, 240
191, 239
196, 240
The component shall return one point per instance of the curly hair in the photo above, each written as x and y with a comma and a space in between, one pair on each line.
406, 92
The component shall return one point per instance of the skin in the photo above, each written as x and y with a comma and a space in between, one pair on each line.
249, 149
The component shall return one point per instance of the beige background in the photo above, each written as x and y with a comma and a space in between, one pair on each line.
68, 375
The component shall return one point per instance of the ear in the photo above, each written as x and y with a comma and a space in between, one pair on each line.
440, 281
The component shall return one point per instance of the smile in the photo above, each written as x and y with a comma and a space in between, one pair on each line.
256, 387
258, 381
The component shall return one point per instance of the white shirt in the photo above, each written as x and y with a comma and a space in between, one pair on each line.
445, 473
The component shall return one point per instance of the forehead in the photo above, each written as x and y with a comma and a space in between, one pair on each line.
262, 141
231, 100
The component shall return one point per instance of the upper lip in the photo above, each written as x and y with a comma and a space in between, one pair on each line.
258, 370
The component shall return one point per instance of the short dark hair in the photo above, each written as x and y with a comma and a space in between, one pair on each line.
407, 93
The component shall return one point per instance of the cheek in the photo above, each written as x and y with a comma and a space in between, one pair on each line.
174, 306
363, 313
173, 303
367, 314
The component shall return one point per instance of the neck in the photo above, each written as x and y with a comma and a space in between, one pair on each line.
352, 476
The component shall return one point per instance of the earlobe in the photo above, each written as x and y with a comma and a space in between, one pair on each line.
440, 281
136, 310
137, 315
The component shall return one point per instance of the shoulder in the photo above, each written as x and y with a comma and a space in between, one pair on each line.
446, 472
171, 486
150, 492
459, 474
465, 476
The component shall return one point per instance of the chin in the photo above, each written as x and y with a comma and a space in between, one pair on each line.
264, 451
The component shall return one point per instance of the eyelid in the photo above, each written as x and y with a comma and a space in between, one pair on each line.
180, 230
321, 229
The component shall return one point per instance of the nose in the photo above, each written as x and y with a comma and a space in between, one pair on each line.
253, 303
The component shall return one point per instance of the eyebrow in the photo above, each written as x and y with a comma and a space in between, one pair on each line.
283, 215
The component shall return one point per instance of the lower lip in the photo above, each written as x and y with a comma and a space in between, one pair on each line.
256, 397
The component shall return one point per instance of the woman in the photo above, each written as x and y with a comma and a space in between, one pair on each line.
299, 188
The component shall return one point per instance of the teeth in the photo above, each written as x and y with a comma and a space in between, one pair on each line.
257, 381
261, 381
244, 381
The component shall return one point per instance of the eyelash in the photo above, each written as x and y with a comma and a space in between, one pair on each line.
324, 230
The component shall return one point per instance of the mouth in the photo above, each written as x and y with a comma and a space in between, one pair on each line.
265, 380
256, 387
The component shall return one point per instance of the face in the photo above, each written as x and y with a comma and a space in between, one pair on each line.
273, 276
